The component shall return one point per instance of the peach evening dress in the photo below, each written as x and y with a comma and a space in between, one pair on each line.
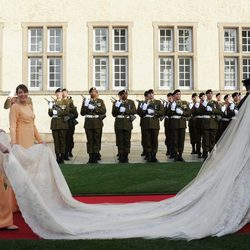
22, 132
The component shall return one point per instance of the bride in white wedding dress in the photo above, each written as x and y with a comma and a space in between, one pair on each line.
215, 203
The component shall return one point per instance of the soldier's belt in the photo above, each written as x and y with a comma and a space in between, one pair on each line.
176, 117
206, 116
225, 119
148, 116
122, 116
233, 118
198, 116
166, 117
91, 116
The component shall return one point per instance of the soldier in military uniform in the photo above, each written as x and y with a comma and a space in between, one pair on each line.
229, 110
124, 112
151, 111
59, 111
94, 111
167, 123
236, 98
11, 99
219, 117
72, 123
246, 83
208, 110
191, 125
198, 122
179, 110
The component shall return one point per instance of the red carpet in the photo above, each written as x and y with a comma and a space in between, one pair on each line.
25, 232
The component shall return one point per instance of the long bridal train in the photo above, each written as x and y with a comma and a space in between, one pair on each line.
215, 203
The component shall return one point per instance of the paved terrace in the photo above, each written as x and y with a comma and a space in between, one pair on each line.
109, 151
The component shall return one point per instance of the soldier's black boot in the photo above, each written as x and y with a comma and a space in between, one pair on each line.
125, 158
99, 157
148, 157
62, 158
66, 156
70, 153
204, 155
153, 157
193, 149
143, 153
121, 157
90, 158
95, 158
180, 158
58, 158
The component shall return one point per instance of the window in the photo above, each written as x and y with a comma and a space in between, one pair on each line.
43, 58
174, 56
110, 55
234, 55
166, 73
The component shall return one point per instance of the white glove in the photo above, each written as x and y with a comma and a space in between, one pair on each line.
179, 111
197, 105
91, 107
165, 104
122, 109
144, 106
209, 109
191, 105
173, 106
86, 102
232, 106
50, 105
150, 111
54, 112
118, 104
223, 109
204, 103
236, 111
11, 94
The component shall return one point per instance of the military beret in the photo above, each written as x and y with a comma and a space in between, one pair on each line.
169, 94
145, 93
217, 94
209, 91
225, 97
92, 88
150, 91
194, 95
235, 94
176, 91
58, 90
246, 82
121, 92
201, 94
64, 89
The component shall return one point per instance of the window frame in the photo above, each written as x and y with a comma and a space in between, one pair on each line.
175, 54
44, 55
110, 54
239, 54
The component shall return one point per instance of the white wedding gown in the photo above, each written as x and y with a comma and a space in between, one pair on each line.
215, 203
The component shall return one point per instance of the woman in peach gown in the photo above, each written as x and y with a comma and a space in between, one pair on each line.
6, 217
22, 128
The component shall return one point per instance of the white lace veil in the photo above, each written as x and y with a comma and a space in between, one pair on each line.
215, 203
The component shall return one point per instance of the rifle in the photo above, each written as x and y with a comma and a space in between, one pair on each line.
57, 108
131, 117
101, 117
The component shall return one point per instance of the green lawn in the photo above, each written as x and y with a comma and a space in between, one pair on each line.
132, 178
129, 178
